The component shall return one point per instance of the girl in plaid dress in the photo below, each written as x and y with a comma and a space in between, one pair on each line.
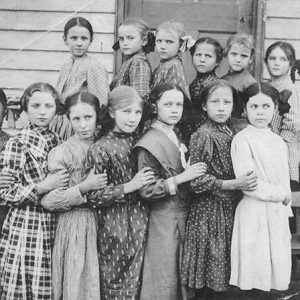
81, 72
135, 41
280, 58
28, 230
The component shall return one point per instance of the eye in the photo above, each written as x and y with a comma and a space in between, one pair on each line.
49, 105
169, 42
158, 41
75, 119
265, 106
121, 38
179, 104
88, 117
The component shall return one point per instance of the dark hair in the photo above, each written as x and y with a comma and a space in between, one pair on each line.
82, 97
210, 41
78, 21
40, 87
3, 99
241, 39
214, 85
287, 48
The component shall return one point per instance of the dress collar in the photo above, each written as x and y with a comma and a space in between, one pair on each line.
204, 76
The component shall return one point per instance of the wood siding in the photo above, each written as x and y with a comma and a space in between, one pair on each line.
31, 44
282, 22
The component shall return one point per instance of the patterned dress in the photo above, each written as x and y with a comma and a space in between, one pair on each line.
83, 73
76, 233
135, 72
261, 239
285, 125
122, 218
197, 116
28, 230
206, 255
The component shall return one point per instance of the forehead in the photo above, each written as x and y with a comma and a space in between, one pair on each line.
81, 108
260, 98
205, 47
221, 92
78, 31
134, 105
168, 34
41, 97
171, 95
128, 29
278, 52
240, 48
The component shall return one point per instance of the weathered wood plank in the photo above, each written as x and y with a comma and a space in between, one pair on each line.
60, 5
283, 8
51, 41
276, 28
20, 79
52, 21
45, 60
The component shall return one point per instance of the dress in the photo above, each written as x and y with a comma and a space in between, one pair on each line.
75, 270
28, 231
206, 255
261, 240
82, 73
135, 72
122, 219
168, 212
285, 125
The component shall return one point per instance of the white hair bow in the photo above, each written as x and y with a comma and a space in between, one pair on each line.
187, 43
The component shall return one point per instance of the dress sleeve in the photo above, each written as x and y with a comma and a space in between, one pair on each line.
140, 77
242, 161
12, 162
159, 187
97, 80
201, 150
100, 159
61, 199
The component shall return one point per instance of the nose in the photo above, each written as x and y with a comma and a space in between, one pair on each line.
202, 58
82, 123
221, 106
42, 110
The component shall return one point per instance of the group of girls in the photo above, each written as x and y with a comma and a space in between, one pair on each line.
122, 209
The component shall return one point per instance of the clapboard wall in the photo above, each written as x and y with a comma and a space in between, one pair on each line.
282, 22
31, 44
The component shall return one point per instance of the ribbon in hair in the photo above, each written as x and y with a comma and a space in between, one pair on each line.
116, 46
150, 43
283, 105
186, 43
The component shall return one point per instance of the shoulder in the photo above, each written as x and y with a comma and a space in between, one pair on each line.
203, 133
94, 64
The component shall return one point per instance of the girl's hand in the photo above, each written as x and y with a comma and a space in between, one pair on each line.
287, 199
191, 172
142, 178
6, 180
93, 182
247, 181
59, 179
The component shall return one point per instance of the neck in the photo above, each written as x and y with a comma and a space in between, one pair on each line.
164, 125
282, 77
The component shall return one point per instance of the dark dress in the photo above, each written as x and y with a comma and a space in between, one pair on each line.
122, 219
206, 256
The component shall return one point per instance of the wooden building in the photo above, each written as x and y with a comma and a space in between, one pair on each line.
32, 48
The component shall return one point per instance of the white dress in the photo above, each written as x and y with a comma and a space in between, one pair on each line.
261, 240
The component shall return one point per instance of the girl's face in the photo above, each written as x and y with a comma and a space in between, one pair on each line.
41, 109
205, 58
219, 104
259, 110
277, 63
78, 39
239, 57
130, 39
83, 118
167, 43
128, 118
170, 107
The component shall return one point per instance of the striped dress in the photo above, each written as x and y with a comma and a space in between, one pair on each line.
28, 231
83, 73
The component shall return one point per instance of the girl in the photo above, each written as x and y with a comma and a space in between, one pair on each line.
207, 53
162, 151
81, 72
261, 241
122, 216
280, 58
76, 234
239, 53
135, 41
28, 230
206, 256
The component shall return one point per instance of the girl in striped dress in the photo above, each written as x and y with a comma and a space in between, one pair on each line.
28, 230
81, 72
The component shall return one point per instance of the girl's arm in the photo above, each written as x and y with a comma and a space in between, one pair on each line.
97, 80
140, 76
243, 162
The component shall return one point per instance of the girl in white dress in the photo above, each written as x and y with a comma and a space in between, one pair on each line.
261, 241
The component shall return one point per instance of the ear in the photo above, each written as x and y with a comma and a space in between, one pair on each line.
65, 40
245, 111
204, 106
251, 59
111, 113
145, 40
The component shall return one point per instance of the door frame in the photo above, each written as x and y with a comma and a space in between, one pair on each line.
257, 29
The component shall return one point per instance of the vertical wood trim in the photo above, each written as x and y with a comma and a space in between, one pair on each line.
258, 33
120, 15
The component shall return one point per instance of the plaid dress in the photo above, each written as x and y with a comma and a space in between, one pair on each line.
135, 72
28, 230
